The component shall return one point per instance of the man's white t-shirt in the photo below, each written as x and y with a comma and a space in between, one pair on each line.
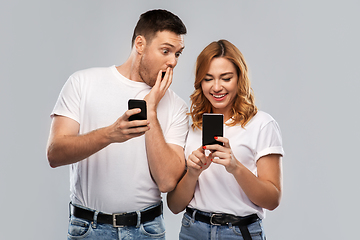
117, 178
216, 189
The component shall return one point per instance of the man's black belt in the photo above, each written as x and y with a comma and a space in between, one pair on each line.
221, 219
117, 219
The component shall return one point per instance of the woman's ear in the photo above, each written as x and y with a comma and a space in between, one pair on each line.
139, 44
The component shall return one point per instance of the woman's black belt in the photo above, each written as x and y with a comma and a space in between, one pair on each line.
221, 219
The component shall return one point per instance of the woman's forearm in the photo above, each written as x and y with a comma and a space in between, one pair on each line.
181, 196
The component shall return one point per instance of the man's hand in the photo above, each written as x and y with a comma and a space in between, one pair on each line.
123, 129
159, 89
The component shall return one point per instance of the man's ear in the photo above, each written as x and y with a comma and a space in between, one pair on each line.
139, 44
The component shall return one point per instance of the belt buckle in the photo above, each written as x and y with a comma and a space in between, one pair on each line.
211, 219
114, 219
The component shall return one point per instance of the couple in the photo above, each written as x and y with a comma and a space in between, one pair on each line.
118, 168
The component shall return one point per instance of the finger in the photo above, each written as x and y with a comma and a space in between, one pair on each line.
138, 123
167, 80
224, 140
131, 112
158, 80
135, 130
217, 161
221, 155
201, 149
213, 147
210, 157
200, 155
194, 162
168, 83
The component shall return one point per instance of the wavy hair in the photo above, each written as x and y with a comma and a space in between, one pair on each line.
244, 107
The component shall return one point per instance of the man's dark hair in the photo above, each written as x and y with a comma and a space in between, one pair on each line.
157, 20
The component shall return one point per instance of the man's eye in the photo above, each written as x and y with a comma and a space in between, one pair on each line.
165, 51
178, 54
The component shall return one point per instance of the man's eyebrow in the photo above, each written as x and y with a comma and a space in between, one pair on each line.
170, 45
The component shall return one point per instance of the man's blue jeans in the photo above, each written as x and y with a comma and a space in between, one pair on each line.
84, 229
192, 229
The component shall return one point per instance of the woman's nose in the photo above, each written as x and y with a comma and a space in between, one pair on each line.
217, 87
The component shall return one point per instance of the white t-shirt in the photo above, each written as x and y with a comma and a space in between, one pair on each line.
216, 189
117, 178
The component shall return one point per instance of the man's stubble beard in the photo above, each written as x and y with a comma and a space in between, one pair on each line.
144, 73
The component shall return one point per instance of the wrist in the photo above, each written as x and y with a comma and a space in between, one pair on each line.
106, 134
151, 113
194, 174
236, 168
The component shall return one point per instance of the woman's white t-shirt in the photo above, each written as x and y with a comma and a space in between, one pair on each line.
216, 189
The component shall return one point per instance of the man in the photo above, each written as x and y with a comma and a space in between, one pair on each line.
119, 167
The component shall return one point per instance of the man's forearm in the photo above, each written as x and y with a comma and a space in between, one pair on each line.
166, 162
64, 150
65, 146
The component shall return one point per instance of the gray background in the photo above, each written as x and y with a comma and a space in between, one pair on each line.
303, 58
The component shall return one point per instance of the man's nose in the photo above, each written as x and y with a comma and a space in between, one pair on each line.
172, 61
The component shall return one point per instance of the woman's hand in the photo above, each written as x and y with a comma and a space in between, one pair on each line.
263, 190
223, 155
198, 161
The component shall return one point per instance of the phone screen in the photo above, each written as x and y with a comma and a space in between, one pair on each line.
138, 103
213, 126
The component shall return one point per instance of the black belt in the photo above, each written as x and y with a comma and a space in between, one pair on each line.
221, 219
117, 219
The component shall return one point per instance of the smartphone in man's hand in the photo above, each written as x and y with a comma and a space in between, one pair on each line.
212, 126
137, 103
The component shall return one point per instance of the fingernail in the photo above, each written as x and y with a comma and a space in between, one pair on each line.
204, 147
216, 137
211, 159
204, 163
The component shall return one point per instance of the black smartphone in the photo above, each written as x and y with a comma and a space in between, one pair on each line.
137, 103
212, 126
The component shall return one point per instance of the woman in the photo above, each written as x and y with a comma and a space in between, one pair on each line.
226, 190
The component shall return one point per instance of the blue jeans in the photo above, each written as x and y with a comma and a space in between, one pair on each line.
84, 229
192, 229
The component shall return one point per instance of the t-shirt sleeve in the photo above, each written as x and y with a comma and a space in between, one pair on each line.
180, 126
68, 101
269, 141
